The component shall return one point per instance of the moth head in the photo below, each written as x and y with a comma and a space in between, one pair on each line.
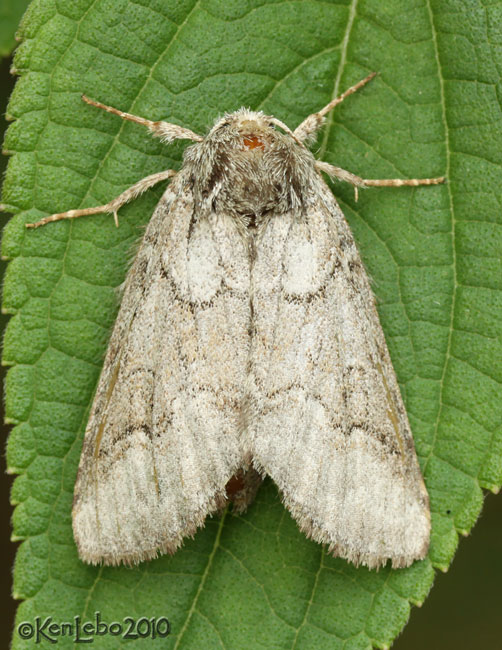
249, 130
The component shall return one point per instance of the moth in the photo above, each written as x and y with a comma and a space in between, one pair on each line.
248, 344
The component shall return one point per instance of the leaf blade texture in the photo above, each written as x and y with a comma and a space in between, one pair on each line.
433, 254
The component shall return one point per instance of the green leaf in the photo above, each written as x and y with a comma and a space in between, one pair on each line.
434, 254
10, 15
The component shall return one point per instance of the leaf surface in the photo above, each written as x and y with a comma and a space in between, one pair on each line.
434, 255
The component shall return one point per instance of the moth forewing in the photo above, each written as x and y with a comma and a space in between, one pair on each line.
248, 343
331, 428
162, 439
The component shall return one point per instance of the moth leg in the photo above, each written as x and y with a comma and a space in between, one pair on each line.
113, 206
164, 130
343, 175
311, 124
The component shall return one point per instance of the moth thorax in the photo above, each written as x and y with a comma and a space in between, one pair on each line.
249, 186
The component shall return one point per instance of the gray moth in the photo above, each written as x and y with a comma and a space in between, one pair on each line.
248, 344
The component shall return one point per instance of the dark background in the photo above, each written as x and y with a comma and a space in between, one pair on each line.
464, 609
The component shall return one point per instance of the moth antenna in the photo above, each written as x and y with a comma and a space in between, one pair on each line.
164, 130
285, 128
311, 124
